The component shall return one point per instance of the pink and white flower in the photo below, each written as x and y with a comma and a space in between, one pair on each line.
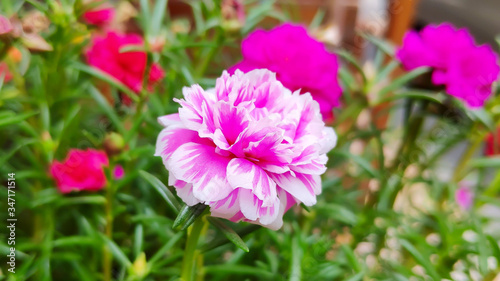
250, 148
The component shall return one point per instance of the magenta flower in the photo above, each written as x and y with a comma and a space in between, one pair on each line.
99, 16
467, 71
81, 170
128, 67
118, 172
250, 148
299, 61
464, 197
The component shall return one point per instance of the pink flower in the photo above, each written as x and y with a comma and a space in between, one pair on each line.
250, 148
100, 16
81, 170
468, 71
464, 197
300, 62
128, 67
4, 69
118, 172
5, 26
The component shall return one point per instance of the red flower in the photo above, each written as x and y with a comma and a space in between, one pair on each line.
493, 144
128, 67
99, 17
81, 170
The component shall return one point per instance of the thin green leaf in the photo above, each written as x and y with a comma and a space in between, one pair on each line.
424, 95
217, 242
74, 241
107, 78
352, 60
91, 199
383, 45
421, 259
171, 242
482, 116
138, 239
229, 233
187, 215
15, 118
162, 189
339, 213
244, 270
357, 277
402, 80
351, 258
485, 162
158, 15
494, 246
296, 263
318, 18
116, 251
145, 16
362, 162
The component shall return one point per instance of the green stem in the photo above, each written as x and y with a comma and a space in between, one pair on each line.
107, 261
190, 253
203, 65
468, 154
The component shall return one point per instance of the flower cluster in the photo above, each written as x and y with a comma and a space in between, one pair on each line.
250, 148
299, 61
468, 71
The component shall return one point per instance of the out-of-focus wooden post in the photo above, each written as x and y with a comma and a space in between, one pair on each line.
401, 13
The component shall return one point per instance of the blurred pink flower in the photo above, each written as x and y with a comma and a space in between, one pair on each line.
81, 170
118, 172
5, 25
128, 67
250, 148
492, 147
100, 16
299, 61
5, 69
464, 197
468, 71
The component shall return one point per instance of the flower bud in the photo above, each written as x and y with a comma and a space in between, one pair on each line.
157, 43
114, 144
233, 14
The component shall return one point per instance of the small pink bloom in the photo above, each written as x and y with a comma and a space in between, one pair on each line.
468, 71
100, 16
250, 148
128, 67
464, 197
118, 172
81, 170
299, 61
